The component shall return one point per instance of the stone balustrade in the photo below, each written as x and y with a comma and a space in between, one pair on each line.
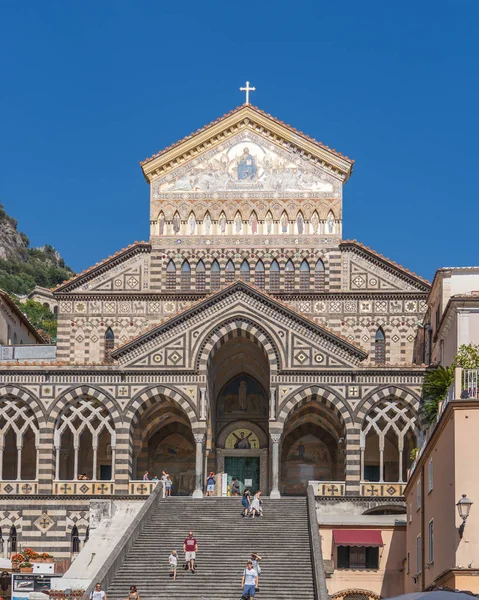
375, 489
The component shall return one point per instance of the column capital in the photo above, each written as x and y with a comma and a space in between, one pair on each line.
275, 437
199, 438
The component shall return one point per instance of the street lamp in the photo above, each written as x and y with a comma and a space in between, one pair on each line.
463, 508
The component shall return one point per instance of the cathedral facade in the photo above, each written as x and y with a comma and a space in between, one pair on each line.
246, 337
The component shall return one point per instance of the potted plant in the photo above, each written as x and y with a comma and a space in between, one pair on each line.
30, 554
16, 560
44, 557
26, 567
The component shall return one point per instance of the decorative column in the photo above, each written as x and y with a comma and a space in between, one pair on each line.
202, 404
19, 462
352, 461
400, 451
57, 463
95, 460
381, 459
113, 461
275, 438
362, 464
76, 449
272, 404
199, 439
2, 445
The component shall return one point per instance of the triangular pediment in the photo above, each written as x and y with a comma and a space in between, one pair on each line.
367, 271
125, 271
298, 342
277, 147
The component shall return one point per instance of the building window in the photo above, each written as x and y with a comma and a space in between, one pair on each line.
200, 276
410, 512
319, 276
13, 539
215, 276
75, 540
437, 318
429, 476
230, 272
358, 557
304, 276
274, 277
244, 271
185, 276
418, 494
431, 541
289, 276
380, 347
418, 554
109, 344
408, 566
259, 275
171, 277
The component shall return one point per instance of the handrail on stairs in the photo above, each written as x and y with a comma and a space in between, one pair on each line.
319, 576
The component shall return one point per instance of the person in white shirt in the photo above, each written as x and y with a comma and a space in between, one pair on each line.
173, 562
249, 582
98, 593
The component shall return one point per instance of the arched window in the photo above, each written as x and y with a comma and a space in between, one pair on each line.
109, 344
319, 276
14, 337
244, 271
12, 538
259, 275
185, 276
289, 276
215, 276
274, 276
304, 276
171, 277
380, 347
75, 540
229, 272
200, 276
19, 434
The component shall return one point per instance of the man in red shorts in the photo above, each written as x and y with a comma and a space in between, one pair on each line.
190, 546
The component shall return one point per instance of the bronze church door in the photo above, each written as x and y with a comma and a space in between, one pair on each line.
246, 469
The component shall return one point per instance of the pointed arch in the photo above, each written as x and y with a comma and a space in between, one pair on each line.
200, 276
330, 223
245, 271
274, 275
75, 540
229, 271
171, 276
304, 276
215, 276
259, 275
185, 282
380, 347
109, 344
289, 276
319, 279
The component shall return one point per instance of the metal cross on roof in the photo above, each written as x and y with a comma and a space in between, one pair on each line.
247, 89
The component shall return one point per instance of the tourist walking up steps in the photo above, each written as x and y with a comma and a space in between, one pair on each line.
249, 583
246, 501
257, 505
190, 546
98, 593
168, 485
173, 562
133, 593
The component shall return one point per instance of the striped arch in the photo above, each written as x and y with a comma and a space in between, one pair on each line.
147, 398
90, 392
407, 396
323, 395
237, 327
18, 393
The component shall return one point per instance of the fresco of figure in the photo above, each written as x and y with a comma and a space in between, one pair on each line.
161, 224
253, 222
207, 224
222, 223
269, 224
300, 223
315, 223
246, 167
192, 224
176, 224
243, 442
238, 223
284, 224
242, 399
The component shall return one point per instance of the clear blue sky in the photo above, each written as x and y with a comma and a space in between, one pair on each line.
90, 88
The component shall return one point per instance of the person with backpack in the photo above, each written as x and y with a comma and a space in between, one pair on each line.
210, 484
235, 487
249, 583
246, 501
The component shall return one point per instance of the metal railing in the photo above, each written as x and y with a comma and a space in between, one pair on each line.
470, 378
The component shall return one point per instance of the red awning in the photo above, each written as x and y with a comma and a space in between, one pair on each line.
358, 537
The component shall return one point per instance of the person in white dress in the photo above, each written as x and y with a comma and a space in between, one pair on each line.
257, 505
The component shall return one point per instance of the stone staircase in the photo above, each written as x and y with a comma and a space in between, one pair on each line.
225, 542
